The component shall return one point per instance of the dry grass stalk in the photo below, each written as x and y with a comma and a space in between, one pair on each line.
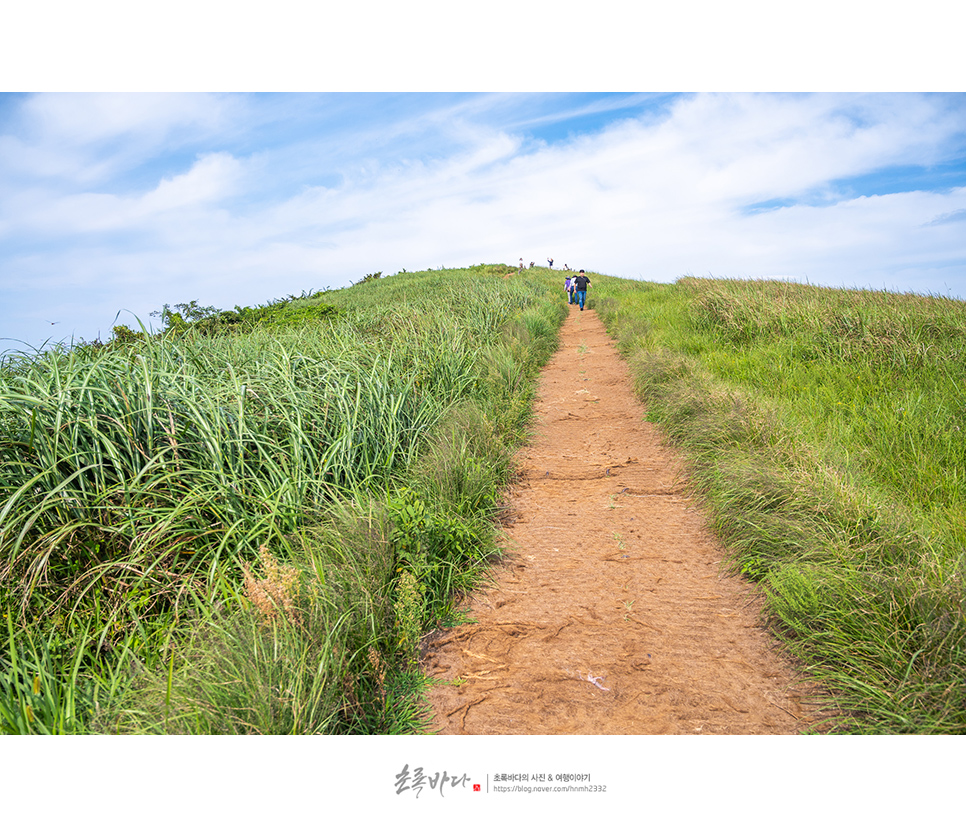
277, 591
380, 670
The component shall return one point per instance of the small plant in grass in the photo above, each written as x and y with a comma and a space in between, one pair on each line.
410, 612
434, 553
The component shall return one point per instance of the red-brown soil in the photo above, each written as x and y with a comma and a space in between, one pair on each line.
611, 613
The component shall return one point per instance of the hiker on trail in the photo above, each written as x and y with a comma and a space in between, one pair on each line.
550, 261
580, 284
569, 289
531, 264
521, 263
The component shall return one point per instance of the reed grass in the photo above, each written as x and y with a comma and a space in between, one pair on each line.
139, 481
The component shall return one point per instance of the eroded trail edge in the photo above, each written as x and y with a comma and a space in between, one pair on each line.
610, 613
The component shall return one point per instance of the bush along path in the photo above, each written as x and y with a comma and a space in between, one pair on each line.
610, 613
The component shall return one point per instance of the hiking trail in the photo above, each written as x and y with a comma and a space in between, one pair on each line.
610, 613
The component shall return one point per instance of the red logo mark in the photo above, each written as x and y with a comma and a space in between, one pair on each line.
476, 787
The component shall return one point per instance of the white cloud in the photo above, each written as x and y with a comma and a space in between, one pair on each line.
85, 139
211, 179
88, 118
43, 212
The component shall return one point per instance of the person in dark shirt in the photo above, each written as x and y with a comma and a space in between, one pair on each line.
580, 283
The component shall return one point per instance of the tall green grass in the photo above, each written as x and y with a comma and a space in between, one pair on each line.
823, 428
140, 480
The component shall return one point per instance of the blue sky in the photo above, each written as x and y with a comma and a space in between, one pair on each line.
114, 204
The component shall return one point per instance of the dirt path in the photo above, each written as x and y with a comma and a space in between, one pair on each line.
610, 615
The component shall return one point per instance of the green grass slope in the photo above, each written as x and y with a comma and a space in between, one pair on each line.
243, 524
824, 430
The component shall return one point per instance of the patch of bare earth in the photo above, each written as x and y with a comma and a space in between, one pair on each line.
610, 613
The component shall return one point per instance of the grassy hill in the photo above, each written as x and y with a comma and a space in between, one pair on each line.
287, 497
282, 497
824, 431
